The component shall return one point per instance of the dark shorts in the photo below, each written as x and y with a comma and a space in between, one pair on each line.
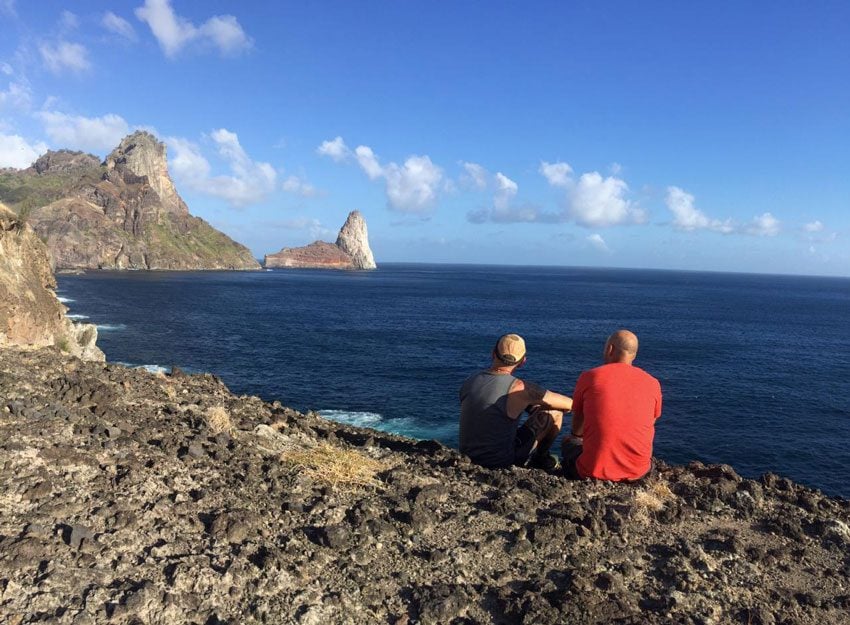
528, 433
571, 450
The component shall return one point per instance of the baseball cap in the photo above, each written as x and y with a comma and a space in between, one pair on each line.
510, 349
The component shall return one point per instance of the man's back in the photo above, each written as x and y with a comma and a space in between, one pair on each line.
620, 403
486, 431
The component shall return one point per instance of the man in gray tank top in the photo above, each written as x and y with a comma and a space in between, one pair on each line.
491, 403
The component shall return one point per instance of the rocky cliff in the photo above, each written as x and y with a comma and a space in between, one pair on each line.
351, 250
353, 239
124, 213
30, 313
128, 497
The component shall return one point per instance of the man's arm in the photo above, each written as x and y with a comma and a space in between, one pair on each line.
524, 393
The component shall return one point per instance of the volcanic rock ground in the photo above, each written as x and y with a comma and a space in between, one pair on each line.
129, 497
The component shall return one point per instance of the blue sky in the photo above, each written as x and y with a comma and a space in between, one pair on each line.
706, 136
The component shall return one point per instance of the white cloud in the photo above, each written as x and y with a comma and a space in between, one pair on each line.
226, 33
118, 25
315, 227
68, 21
187, 163
64, 56
8, 7
476, 176
335, 149
764, 225
5, 68
294, 184
368, 162
686, 216
412, 187
506, 190
249, 181
595, 201
16, 96
503, 209
813, 226
598, 242
174, 32
557, 174
17, 152
96, 134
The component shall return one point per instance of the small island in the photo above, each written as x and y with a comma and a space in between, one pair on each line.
351, 250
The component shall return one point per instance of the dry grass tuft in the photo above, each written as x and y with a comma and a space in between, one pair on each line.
652, 498
218, 420
336, 466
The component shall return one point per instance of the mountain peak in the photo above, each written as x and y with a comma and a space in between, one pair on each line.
142, 154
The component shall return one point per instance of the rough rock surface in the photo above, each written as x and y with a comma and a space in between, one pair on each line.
351, 250
353, 239
30, 313
123, 502
122, 214
317, 255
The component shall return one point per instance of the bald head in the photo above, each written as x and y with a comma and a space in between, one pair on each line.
622, 346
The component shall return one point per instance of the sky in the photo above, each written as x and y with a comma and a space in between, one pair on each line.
674, 135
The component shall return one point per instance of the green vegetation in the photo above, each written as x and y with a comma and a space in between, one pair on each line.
25, 193
63, 344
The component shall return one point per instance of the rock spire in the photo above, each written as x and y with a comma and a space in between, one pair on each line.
353, 239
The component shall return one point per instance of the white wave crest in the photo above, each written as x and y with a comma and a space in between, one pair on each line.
359, 419
64, 300
77, 316
403, 426
110, 327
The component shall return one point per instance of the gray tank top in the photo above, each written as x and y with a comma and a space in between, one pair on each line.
487, 433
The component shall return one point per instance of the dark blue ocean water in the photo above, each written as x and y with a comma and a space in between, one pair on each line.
754, 368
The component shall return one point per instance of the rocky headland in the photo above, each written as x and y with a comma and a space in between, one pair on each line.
131, 497
122, 213
351, 250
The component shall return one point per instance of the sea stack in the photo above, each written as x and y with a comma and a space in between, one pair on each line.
351, 250
30, 313
122, 213
353, 239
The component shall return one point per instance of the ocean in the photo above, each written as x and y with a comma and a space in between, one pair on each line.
754, 368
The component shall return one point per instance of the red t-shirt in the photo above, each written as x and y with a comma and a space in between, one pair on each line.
620, 404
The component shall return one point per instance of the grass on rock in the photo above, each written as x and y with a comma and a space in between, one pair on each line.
336, 466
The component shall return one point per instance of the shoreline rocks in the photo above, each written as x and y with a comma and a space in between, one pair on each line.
130, 497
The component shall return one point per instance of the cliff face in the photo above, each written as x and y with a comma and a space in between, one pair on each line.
30, 313
122, 214
353, 239
351, 250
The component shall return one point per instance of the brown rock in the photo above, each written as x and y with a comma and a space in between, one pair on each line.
122, 214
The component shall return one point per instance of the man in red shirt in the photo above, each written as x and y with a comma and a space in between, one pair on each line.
614, 411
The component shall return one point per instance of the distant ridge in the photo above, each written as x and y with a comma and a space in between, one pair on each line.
123, 213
